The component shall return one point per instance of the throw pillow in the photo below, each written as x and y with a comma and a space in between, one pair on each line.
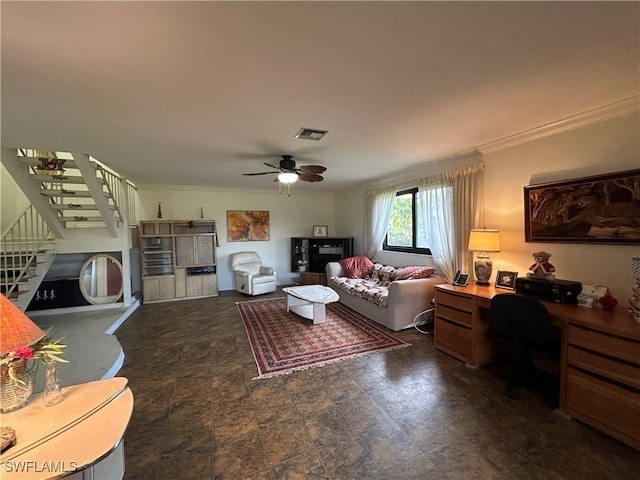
408, 273
356, 267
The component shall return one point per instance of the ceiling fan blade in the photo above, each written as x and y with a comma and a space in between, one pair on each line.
260, 173
310, 177
272, 166
311, 169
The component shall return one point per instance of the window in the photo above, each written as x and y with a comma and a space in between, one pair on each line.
406, 232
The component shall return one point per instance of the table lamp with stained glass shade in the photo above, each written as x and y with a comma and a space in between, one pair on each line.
484, 241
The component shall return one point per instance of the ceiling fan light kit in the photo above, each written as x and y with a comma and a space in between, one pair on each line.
288, 177
288, 173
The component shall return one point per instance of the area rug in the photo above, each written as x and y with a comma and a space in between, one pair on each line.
283, 342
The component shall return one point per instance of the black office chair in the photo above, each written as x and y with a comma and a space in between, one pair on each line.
522, 327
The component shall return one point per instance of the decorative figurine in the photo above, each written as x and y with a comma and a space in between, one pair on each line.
542, 268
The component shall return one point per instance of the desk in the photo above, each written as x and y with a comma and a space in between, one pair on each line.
599, 364
81, 434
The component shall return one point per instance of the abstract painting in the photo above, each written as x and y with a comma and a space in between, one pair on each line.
247, 225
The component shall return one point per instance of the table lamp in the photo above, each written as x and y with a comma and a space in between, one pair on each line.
484, 241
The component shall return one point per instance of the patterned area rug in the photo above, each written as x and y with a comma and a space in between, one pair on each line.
283, 342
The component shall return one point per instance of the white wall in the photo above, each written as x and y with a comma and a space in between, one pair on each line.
292, 216
13, 203
607, 146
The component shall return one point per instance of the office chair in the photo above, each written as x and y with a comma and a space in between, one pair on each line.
522, 327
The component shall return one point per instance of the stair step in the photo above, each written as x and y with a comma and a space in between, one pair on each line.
11, 279
15, 294
81, 218
68, 164
66, 179
77, 206
69, 193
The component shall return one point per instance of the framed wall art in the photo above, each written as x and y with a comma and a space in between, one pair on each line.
247, 225
506, 279
320, 231
598, 209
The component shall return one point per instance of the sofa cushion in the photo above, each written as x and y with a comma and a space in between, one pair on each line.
382, 275
356, 267
361, 288
408, 273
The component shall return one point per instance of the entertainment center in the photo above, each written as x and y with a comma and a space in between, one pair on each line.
310, 255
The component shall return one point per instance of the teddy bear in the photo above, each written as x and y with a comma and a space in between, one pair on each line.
542, 268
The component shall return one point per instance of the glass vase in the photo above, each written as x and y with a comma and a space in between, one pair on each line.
16, 386
52, 393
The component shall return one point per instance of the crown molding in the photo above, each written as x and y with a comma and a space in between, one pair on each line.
232, 190
616, 109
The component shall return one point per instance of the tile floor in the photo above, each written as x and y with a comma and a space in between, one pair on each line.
412, 413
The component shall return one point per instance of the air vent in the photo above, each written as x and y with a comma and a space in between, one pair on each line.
311, 134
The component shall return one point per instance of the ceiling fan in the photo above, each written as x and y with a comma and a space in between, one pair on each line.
289, 173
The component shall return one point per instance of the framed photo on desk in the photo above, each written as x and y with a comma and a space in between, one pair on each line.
506, 279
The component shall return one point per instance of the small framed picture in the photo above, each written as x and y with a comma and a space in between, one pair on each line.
462, 280
320, 231
506, 279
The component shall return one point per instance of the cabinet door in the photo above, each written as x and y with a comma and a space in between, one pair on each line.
205, 250
158, 288
185, 251
209, 284
181, 283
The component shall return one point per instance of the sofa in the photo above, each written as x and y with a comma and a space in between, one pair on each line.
388, 295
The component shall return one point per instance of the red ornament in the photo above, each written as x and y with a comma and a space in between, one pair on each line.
608, 302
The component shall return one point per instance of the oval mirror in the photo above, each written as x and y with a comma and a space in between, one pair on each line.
101, 279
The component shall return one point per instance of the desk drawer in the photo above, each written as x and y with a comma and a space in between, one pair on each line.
455, 301
608, 344
615, 408
454, 315
604, 366
453, 339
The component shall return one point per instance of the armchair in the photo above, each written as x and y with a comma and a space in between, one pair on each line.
250, 276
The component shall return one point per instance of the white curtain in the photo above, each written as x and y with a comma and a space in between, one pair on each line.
450, 206
378, 204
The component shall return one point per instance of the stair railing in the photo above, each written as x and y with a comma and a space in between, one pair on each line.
112, 182
20, 246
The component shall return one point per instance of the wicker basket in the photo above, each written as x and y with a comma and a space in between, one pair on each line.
15, 392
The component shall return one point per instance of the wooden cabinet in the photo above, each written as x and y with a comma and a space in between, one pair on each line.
599, 366
462, 326
311, 278
602, 382
195, 250
183, 251
158, 288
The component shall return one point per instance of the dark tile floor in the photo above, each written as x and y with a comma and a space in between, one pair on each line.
412, 413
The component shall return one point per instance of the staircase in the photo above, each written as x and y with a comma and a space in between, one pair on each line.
67, 191
80, 191
26, 255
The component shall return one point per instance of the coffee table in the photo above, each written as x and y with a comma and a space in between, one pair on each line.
309, 301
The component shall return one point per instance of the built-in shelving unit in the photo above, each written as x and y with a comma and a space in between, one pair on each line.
178, 259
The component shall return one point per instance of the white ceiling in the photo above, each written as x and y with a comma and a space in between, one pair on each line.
197, 93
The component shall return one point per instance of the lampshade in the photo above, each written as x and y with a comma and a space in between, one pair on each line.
288, 177
16, 330
484, 240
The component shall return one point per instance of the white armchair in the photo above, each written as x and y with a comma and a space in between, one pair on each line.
249, 276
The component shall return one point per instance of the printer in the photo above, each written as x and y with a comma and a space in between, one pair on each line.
559, 291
